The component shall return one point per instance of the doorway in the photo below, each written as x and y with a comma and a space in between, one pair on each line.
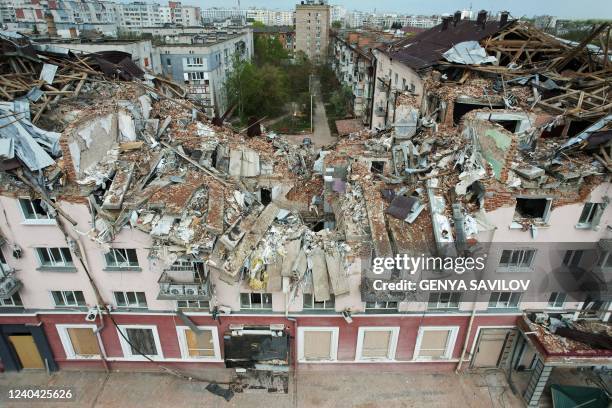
489, 347
26, 350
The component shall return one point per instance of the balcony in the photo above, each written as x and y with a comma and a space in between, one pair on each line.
188, 281
9, 285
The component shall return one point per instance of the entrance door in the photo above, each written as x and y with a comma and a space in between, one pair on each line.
26, 349
489, 347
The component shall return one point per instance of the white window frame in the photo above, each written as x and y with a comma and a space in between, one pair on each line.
499, 304
62, 331
517, 268
63, 292
207, 307
54, 263
392, 344
450, 345
552, 304
335, 331
120, 264
128, 306
592, 212
377, 306
326, 303
180, 331
5, 302
572, 254
48, 220
443, 305
126, 348
250, 307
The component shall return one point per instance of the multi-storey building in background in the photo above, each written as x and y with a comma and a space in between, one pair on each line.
353, 63
312, 29
138, 14
176, 13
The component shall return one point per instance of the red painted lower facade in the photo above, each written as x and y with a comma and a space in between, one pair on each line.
166, 325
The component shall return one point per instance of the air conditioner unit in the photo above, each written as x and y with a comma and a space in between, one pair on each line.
92, 313
7, 284
176, 289
191, 290
541, 318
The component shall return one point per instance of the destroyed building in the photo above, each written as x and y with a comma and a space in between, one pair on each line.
135, 231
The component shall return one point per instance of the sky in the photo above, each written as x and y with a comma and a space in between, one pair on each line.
575, 9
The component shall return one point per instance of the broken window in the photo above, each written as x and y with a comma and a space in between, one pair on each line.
80, 342
33, 210
140, 341
572, 257
504, 300
377, 343
310, 303
318, 344
121, 258
64, 298
444, 300
55, 257
435, 343
256, 301
193, 304
130, 299
509, 125
377, 167
556, 299
536, 209
605, 260
266, 196
591, 215
517, 258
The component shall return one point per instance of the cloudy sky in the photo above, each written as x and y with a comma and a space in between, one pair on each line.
562, 8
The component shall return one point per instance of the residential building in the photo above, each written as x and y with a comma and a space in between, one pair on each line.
214, 14
312, 29
271, 17
138, 14
176, 13
202, 62
144, 233
285, 34
141, 52
353, 63
67, 19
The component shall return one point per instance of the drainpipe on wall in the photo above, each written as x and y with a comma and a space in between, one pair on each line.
467, 338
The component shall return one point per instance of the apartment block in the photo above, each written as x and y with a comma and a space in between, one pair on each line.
203, 61
312, 29
137, 230
138, 14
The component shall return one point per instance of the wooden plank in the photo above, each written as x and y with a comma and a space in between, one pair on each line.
250, 240
320, 278
275, 280
113, 200
335, 269
216, 209
292, 250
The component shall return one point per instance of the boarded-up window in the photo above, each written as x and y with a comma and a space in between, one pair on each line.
83, 341
376, 344
317, 345
434, 343
200, 344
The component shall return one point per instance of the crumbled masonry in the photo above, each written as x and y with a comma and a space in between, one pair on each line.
282, 216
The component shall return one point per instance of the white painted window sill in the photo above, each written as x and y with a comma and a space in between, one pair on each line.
49, 221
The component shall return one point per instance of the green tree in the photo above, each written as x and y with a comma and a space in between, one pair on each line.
269, 50
258, 24
337, 24
256, 91
340, 102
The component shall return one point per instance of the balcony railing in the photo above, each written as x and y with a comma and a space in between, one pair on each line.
186, 284
9, 285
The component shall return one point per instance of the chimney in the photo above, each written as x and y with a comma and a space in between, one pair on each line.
51, 28
446, 22
456, 17
504, 18
482, 18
